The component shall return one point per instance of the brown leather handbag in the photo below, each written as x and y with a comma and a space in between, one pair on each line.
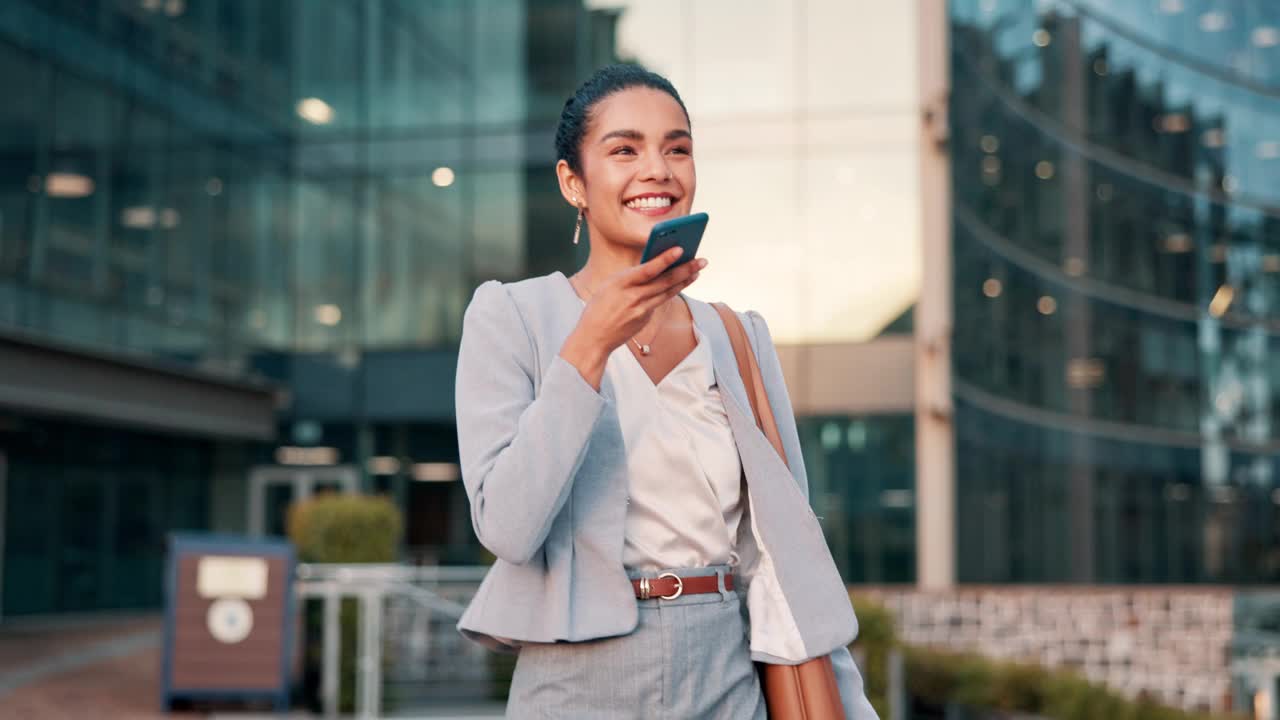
807, 691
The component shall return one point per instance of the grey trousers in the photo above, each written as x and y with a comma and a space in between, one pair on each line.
687, 658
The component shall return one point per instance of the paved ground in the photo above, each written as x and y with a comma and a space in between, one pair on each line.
109, 668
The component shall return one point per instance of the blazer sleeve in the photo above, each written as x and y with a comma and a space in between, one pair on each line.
519, 447
852, 693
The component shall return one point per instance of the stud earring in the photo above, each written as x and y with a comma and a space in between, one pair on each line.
577, 227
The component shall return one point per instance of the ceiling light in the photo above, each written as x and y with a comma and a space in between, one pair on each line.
1221, 301
328, 315
68, 185
1173, 123
1085, 373
291, 455
1213, 22
384, 465
1044, 170
1171, 7
140, 217
1100, 66
990, 143
992, 288
1178, 243
436, 472
442, 177
315, 111
1041, 38
1266, 36
1047, 305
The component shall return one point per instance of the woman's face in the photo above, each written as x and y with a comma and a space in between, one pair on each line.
637, 165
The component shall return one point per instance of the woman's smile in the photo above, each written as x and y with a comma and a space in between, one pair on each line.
651, 204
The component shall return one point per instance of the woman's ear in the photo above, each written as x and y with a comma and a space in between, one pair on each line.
571, 185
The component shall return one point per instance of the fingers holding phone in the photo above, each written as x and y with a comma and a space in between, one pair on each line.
660, 279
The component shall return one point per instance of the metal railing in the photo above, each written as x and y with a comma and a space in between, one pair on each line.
406, 614
406, 636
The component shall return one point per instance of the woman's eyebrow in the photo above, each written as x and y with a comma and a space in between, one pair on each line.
637, 136
634, 135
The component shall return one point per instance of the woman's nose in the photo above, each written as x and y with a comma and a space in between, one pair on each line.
657, 169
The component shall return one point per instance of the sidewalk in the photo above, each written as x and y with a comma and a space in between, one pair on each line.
109, 668
102, 668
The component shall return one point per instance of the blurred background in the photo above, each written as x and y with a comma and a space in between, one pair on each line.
1022, 259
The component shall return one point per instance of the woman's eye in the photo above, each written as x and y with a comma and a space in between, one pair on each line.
682, 150
624, 150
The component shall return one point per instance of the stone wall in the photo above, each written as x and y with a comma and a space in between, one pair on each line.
1172, 643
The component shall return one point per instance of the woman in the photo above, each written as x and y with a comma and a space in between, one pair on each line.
650, 541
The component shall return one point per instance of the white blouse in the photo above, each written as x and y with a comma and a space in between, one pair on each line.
686, 505
685, 478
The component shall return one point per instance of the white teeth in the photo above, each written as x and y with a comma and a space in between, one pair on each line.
649, 202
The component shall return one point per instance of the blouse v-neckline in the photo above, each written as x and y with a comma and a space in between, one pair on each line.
699, 341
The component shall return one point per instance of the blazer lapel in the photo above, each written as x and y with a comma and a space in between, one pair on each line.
750, 438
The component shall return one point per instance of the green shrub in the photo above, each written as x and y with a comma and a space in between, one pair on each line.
876, 637
332, 528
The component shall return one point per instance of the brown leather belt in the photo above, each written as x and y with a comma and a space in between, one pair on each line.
669, 586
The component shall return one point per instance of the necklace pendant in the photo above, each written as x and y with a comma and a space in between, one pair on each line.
644, 349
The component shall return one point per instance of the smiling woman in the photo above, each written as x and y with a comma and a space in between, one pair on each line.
650, 542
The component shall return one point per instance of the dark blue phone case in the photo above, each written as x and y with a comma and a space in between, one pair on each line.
683, 231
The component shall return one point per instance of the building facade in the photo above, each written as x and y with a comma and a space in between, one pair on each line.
1117, 257
1021, 260
237, 239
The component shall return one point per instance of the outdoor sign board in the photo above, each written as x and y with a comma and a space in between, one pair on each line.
229, 619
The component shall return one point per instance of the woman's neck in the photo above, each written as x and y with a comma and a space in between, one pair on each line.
606, 259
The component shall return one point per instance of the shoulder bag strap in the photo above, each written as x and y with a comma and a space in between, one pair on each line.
749, 369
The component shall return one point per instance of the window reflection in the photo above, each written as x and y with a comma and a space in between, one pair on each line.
862, 484
1113, 223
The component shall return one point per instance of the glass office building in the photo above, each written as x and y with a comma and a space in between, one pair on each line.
242, 233
228, 228
1116, 189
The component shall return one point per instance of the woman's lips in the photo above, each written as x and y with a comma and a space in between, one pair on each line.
652, 211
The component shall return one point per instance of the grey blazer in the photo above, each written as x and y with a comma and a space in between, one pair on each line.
543, 464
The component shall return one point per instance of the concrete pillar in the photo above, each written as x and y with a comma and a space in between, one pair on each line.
935, 434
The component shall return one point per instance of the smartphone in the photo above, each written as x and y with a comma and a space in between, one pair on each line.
683, 231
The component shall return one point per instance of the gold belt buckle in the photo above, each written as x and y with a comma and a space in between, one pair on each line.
679, 586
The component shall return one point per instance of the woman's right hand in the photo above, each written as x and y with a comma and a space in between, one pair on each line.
621, 306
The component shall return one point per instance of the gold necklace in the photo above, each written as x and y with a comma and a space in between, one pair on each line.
644, 348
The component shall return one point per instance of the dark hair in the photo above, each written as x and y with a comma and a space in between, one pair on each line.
605, 82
